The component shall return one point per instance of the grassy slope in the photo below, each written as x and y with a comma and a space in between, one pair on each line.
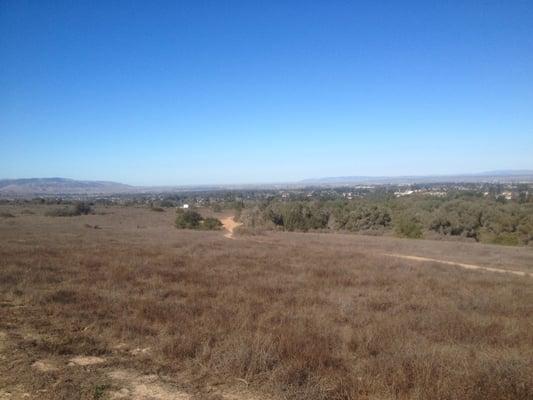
304, 316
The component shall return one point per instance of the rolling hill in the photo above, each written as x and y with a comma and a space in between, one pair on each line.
50, 186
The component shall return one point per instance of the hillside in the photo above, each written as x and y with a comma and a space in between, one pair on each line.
491, 176
36, 186
120, 304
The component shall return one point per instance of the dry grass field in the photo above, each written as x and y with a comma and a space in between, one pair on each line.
120, 304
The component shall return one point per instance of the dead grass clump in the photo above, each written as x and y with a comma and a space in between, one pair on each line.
62, 296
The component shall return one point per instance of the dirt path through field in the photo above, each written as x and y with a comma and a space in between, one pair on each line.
457, 264
229, 225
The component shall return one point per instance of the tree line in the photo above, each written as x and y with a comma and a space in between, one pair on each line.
466, 216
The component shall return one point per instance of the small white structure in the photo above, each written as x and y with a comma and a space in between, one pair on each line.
185, 206
404, 193
507, 195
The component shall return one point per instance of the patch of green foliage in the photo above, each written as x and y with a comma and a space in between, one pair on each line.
408, 227
211, 224
189, 219
99, 391
465, 215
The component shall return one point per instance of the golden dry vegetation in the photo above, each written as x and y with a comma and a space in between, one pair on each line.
120, 304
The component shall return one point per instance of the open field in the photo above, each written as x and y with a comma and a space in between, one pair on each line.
120, 304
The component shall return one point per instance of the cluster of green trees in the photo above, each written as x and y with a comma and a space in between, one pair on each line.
471, 217
189, 219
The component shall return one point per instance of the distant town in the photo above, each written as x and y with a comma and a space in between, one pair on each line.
202, 197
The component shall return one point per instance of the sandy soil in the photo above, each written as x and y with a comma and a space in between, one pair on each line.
229, 225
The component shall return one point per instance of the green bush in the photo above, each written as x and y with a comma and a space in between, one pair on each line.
408, 227
297, 216
364, 217
211, 224
188, 219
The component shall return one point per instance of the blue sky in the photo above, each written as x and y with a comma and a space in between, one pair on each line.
190, 92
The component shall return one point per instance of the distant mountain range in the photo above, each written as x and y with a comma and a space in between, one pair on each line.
51, 186
59, 186
502, 176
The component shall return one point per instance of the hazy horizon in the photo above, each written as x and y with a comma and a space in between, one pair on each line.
480, 174
181, 93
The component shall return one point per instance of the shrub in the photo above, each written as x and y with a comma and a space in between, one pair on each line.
188, 219
6, 215
211, 224
408, 227
363, 217
77, 209
82, 208
297, 216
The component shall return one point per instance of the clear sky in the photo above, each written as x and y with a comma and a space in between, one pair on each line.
191, 92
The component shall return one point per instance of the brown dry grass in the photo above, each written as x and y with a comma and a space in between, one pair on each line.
297, 316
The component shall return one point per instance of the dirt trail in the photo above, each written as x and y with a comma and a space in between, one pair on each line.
458, 264
229, 225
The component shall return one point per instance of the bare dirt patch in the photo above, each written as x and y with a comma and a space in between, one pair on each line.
45, 366
87, 360
229, 224
141, 387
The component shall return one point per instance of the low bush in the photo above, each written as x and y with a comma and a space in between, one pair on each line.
408, 227
211, 224
187, 219
77, 209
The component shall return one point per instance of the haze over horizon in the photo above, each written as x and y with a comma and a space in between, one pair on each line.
182, 93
